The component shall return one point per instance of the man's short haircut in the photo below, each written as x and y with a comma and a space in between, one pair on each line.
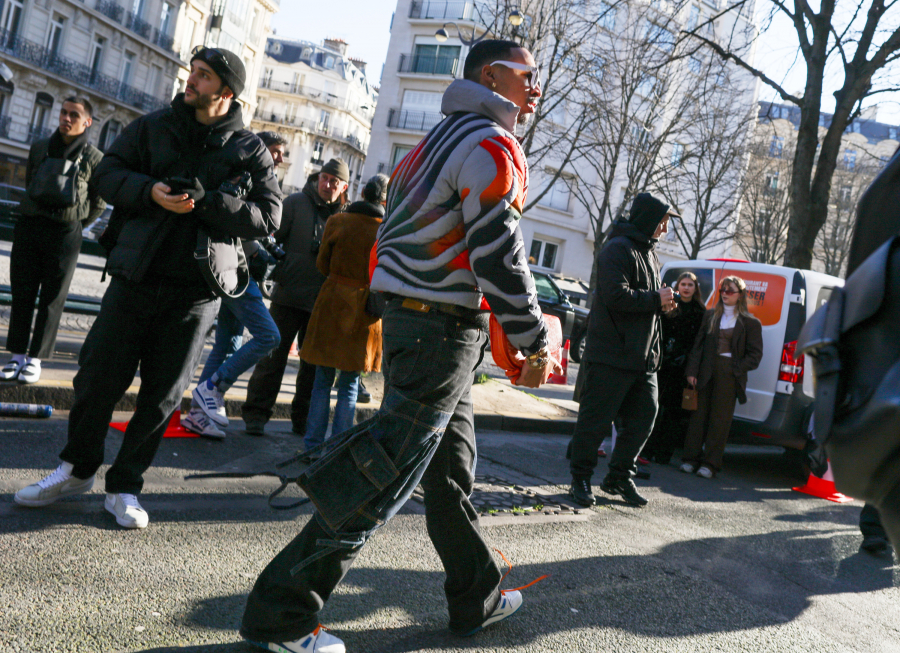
484, 53
83, 101
272, 138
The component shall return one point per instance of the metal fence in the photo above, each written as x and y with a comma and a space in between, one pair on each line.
421, 121
37, 55
455, 10
139, 26
428, 64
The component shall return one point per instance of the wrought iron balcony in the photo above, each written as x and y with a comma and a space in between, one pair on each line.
428, 64
383, 168
36, 133
453, 10
5, 122
30, 52
139, 26
421, 121
111, 9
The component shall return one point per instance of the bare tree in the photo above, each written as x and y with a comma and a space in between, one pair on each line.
863, 40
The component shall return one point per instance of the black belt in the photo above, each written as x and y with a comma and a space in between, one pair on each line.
423, 306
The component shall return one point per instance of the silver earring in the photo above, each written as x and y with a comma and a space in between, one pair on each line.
493, 84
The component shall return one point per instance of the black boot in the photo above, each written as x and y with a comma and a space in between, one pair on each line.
624, 488
362, 395
581, 492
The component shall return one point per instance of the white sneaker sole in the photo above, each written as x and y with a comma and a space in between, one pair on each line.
500, 613
72, 491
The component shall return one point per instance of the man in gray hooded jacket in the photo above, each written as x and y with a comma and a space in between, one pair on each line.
450, 240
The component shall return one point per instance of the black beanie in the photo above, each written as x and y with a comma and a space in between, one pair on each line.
337, 167
227, 65
647, 212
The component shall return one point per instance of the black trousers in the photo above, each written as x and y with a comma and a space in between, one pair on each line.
429, 358
44, 256
265, 382
160, 328
611, 394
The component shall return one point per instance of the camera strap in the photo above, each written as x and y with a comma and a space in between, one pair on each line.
205, 255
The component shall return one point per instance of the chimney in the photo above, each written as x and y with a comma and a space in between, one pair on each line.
359, 63
338, 45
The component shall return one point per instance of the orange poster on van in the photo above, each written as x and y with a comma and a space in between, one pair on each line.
765, 293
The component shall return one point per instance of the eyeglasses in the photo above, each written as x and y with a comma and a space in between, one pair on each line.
533, 76
723, 291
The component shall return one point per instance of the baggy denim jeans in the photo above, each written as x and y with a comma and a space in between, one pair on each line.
230, 356
424, 432
320, 405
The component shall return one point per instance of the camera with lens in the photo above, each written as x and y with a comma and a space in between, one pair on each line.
237, 188
273, 248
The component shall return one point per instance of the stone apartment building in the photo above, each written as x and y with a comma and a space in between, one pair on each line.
128, 57
558, 231
866, 146
321, 100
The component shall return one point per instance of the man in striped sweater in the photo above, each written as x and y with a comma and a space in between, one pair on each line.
449, 247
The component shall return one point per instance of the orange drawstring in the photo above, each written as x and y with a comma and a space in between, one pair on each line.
509, 564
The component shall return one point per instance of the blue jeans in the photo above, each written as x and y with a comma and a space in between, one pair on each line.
423, 432
228, 357
320, 403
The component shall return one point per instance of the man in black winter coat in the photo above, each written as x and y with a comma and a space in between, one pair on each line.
622, 353
165, 176
297, 284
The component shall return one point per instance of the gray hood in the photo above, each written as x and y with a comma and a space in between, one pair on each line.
471, 97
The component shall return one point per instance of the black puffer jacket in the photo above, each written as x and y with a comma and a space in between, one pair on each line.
624, 328
153, 242
297, 278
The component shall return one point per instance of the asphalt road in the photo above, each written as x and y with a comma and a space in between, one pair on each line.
740, 563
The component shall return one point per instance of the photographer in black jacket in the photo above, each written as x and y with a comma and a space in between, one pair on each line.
158, 308
622, 353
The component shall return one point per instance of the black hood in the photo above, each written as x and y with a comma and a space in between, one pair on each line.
630, 231
646, 213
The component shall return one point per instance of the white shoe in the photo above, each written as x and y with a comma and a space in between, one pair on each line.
510, 601
705, 472
687, 468
318, 641
212, 402
197, 421
127, 510
59, 484
11, 370
30, 372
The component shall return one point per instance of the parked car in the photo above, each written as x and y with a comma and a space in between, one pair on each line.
573, 318
779, 392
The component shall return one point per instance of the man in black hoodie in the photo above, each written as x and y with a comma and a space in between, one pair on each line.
297, 283
165, 176
622, 353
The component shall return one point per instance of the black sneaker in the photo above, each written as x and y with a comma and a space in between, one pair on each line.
581, 492
875, 545
254, 427
363, 396
624, 488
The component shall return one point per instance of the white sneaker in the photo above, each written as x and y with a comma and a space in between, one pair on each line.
318, 641
510, 601
30, 372
687, 468
127, 510
212, 402
59, 484
705, 472
11, 370
197, 421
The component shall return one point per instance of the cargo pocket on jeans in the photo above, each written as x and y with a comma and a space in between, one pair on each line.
348, 478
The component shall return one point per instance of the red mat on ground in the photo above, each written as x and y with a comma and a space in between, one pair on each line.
173, 430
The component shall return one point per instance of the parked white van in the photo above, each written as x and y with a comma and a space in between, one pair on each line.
779, 392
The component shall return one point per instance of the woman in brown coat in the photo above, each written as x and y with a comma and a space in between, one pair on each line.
728, 345
341, 337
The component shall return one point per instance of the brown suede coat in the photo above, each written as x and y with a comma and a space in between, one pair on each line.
746, 352
340, 333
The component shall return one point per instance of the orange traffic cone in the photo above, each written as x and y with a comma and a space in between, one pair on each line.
562, 379
294, 352
173, 430
823, 488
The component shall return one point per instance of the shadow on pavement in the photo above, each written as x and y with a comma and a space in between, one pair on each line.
688, 588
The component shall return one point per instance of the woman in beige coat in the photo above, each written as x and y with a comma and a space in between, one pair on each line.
341, 337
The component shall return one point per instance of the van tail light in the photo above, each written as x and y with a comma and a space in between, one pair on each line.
791, 369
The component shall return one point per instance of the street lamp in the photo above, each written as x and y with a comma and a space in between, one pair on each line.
515, 18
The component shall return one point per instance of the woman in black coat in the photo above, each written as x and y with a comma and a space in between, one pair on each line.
728, 346
679, 330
